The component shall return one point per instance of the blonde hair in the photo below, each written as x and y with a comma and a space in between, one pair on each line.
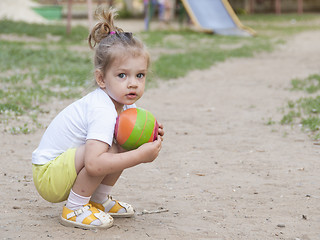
109, 39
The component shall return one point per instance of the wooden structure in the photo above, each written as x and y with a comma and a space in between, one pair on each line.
277, 6
69, 15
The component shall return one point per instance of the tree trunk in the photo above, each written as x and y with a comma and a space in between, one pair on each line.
300, 6
69, 17
278, 6
128, 5
90, 15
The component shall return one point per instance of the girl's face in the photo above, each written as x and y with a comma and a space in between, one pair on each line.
124, 80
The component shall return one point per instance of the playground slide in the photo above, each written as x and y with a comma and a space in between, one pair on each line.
216, 16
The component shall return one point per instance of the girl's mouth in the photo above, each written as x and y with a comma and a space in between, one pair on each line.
131, 95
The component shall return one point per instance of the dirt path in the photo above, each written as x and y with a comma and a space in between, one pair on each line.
222, 174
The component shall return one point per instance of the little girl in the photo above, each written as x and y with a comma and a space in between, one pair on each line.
78, 159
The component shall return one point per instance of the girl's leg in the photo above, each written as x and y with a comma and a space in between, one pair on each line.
77, 213
85, 185
103, 191
111, 179
101, 198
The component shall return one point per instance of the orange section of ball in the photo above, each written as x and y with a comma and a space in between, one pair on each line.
126, 125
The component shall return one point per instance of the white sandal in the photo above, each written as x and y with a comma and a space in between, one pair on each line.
113, 208
87, 217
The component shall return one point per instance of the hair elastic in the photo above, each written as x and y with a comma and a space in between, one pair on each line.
112, 32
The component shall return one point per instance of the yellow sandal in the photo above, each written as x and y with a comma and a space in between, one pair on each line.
113, 208
87, 217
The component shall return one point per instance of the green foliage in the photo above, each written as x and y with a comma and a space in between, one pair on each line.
310, 84
20, 129
289, 117
312, 123
41, 63
10, 107
305, 110
310, 105
42, 31
283, 18
280, 25
38, 70
291, 104
198, 50
270, 122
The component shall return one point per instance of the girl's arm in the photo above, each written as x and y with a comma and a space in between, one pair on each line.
100, 161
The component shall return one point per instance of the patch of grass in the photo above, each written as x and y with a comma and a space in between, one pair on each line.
290, 117
4, 107
280, 25
199, 56
202, 50
291, 104
316, 137
276, 19
40, 63
310, 105
178, 65
32, 73
311, 84
42, 31
306, 110
20, 129
311, 123
270, 122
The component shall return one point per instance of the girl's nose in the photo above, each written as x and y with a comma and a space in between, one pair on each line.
133, 82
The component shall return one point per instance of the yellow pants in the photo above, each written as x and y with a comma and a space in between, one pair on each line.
55, 179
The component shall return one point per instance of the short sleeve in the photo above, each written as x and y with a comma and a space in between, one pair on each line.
101, 122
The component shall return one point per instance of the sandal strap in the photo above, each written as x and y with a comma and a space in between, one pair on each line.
116, 206
112, 207
96, 214
78, 211
85, 217
103, 217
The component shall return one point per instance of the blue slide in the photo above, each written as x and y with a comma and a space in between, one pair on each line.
216, 16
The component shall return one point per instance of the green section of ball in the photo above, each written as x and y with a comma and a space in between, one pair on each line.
142, 131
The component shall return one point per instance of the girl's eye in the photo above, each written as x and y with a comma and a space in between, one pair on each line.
121, 75
140, 75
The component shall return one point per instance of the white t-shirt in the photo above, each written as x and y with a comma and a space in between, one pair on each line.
91, 117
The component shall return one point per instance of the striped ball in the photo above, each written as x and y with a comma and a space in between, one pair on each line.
134, 127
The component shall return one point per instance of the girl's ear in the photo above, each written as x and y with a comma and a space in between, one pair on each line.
99, 78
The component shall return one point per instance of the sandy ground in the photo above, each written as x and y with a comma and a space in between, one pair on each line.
222, 173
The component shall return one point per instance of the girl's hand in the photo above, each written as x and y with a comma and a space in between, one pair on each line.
150, 151
160, 131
